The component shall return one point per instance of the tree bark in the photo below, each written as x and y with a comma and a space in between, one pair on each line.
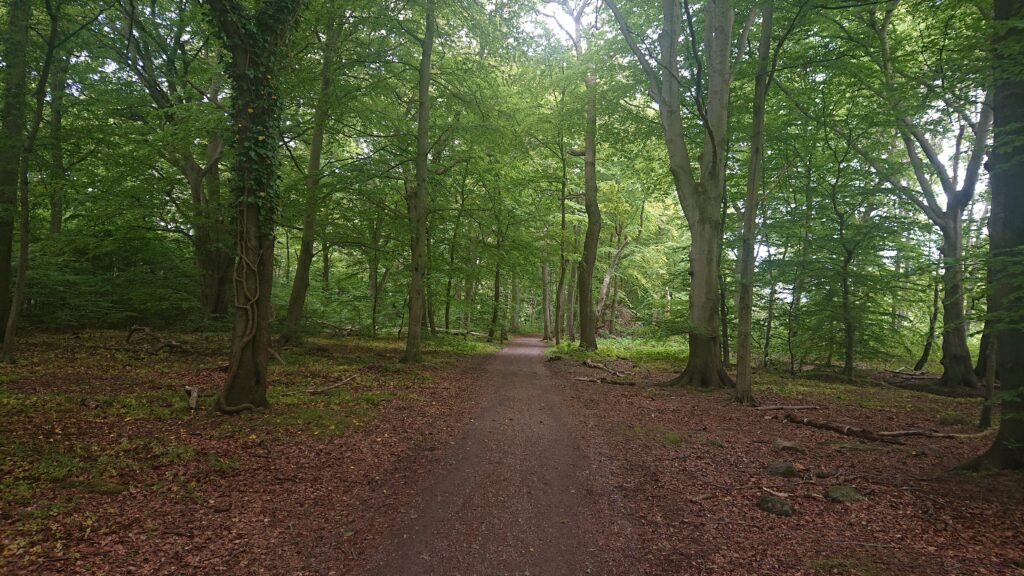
1006, 170
700, 199
300, 284
613, 265
418, 197
744, 332
57, 178
545, 281
25, 215
585, 282
956, 357
492, 330
927, 352
255, 43
15, 57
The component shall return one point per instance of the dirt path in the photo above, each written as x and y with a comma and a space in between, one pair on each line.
513, 495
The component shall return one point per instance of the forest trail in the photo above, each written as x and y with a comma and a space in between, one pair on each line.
512, 496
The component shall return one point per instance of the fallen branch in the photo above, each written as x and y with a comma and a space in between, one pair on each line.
603, 380
854, 431
338, 330
276, 356
159, 342
932, 434
591, 364
330, 387
787, 408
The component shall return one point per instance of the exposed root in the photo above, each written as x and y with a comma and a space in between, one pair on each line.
223, 407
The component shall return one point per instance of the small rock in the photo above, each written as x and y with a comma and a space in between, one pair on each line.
786, 446
824, 473
783, 469
843, 494
775, 505
90, 403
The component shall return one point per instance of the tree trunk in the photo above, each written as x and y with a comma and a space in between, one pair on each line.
492, 331
585, 283
418, 197
956, 357
58, 171
932, 321
19, 16
256, 52
300, 285
25, 215
325, 278
1006, 170
602, 298
513, 312
700, 200
744, 332
545, 282
848, 326
562, 262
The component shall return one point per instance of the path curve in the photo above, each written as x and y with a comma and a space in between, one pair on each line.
513, 495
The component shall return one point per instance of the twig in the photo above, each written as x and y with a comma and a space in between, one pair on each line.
330, 387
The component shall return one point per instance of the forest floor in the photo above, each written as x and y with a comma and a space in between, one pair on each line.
475, 463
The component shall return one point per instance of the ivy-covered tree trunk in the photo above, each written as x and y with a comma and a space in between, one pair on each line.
15, 49
256, 43
1006, 168
300, 284
418, 197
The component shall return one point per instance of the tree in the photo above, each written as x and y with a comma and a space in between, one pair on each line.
744, 338
1006, 168
19, 16
418, 196
700, 195
311, 208
256, 42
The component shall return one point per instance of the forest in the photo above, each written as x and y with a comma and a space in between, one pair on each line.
512, 287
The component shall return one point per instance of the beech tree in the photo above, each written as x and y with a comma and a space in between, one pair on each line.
1006, 169
700, 194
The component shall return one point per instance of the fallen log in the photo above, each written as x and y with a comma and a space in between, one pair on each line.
787, 408
844, 429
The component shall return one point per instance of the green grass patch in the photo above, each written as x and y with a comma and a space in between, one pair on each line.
665, 354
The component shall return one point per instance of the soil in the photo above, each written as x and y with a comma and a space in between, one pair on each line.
509, 465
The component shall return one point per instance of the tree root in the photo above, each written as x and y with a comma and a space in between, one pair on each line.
223, 407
